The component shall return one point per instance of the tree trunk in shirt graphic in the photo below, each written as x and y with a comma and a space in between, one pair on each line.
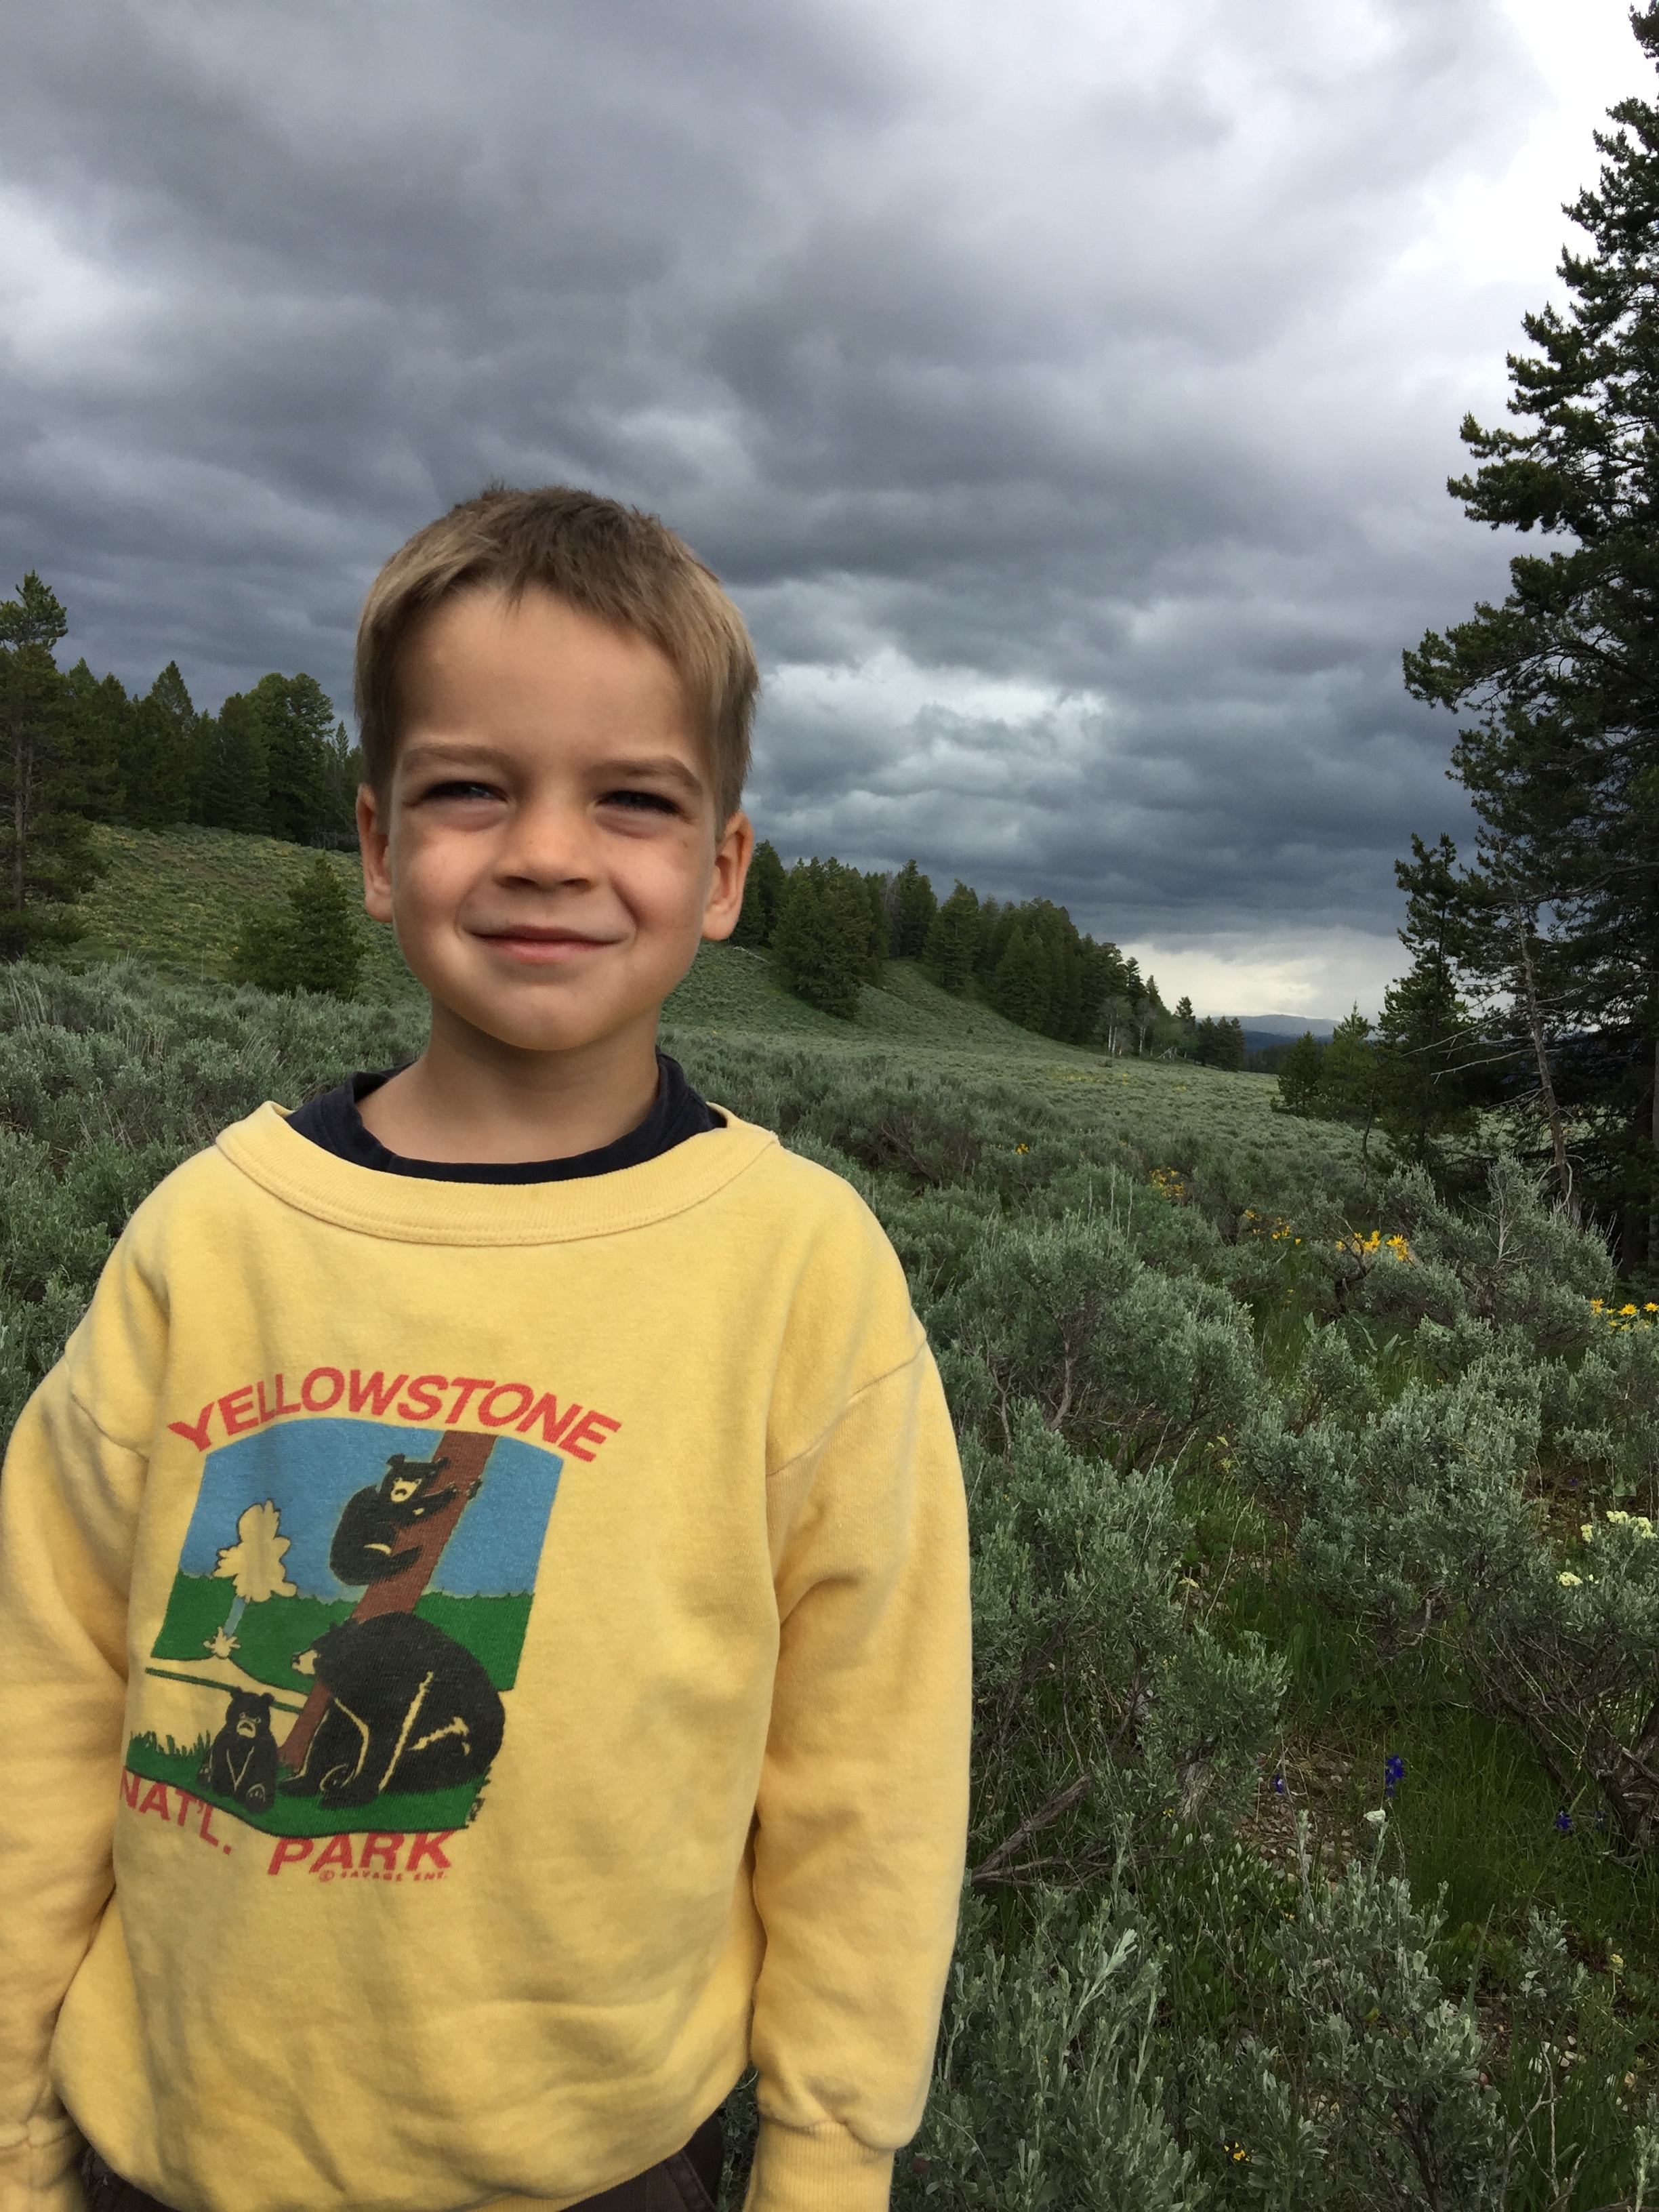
391, 1536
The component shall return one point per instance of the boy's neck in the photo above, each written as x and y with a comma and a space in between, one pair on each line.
469, 1099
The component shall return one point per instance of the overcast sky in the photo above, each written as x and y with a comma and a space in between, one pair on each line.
1066, 389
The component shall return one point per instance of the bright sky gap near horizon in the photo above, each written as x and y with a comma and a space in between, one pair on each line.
1066, 391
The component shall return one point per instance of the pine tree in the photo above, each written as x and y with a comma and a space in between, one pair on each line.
875, 958
313, 941
1350, 1078
821, 939
43, 841
343, 778
1437, 1070
952, 944
234, 777
1219, 1041
1151, 1015
159, 758
296, 718
1065, 1018
1298, 1078
915, 905
1561, 753
95, 721
1020, 989
762, 891
997, 924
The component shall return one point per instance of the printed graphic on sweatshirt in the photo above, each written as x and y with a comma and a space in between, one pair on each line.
344, 1628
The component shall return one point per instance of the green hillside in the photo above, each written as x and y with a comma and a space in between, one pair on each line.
175, 898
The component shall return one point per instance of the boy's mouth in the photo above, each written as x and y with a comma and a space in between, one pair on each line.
526, 941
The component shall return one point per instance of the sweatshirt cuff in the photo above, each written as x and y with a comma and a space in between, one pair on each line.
41, 2171
823, 2169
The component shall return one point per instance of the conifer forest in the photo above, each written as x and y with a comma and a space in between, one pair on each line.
1308, 1401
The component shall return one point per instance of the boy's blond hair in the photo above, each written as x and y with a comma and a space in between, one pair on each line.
613, 562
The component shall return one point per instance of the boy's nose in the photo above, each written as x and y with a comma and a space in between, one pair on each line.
547, 844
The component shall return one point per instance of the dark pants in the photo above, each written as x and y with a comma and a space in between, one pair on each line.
687, 2182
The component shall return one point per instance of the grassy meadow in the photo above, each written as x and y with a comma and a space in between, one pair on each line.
1317, 1616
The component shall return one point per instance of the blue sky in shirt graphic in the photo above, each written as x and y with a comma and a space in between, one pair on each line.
309, 1469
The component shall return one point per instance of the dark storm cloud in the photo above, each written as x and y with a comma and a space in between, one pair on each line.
1048, 383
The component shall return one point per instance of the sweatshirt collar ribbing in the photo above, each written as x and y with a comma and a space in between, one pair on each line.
410, 1211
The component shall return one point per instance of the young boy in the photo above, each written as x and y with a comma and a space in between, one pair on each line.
483, 1597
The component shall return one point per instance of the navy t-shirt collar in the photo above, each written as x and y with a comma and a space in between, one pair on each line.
334, 1122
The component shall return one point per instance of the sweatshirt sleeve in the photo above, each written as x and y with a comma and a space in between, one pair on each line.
69, 1505
863, 1802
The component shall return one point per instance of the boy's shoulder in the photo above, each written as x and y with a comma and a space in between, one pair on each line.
201, 1180
842, 1274
806, 1191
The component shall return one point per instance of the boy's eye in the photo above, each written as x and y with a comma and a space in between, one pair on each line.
460, 787
653, 802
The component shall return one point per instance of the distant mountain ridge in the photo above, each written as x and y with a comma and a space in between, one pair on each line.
1276, 1033
1286, 1025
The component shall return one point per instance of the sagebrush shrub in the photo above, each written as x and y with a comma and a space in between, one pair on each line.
1115, 1354
1097, 1709
1046, 2093
1363, 2088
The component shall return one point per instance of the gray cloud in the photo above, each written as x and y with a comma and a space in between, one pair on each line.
1053, 385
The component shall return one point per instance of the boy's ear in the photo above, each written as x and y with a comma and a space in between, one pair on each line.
733, 854
373, 839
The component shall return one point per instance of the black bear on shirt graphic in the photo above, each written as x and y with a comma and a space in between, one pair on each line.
241, 1760
409, 1708
368, 1544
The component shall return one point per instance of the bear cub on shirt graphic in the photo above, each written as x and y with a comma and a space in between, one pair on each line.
241, 1760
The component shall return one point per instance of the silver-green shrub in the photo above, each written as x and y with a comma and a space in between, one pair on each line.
1098, 1709
1045, 2093
1361, 2089
1117, 1355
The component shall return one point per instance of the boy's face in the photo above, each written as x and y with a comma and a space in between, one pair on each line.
548, 852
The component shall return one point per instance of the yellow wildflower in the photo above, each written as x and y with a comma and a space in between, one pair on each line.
1571, 1581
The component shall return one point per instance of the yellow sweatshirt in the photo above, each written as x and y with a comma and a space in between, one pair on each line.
478, 1665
